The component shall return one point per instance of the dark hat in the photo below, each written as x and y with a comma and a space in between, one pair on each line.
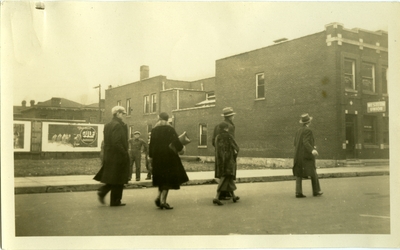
305, 118
136, 132
228, 111
163, 116
117, 109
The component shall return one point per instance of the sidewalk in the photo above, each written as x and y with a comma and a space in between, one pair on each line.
71, 183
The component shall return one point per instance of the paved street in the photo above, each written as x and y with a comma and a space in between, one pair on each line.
349, 206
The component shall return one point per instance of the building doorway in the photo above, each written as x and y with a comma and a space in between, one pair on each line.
351, 136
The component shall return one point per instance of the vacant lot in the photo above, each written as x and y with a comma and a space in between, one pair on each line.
89, 166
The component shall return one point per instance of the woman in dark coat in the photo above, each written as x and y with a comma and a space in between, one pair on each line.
168, 171
115, 164
226, 150
304, 158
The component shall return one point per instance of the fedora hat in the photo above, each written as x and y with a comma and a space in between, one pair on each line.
228, 111
305, 118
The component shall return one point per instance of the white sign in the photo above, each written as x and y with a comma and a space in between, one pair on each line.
373, 107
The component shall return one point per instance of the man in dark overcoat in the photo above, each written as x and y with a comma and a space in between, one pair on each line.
304, 158
115, 170
228, 115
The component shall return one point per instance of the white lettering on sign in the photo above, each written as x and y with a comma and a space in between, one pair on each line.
376, 107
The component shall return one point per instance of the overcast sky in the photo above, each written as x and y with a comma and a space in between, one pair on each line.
70, 47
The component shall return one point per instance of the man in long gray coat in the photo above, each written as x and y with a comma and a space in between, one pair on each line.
115, 170
304, 158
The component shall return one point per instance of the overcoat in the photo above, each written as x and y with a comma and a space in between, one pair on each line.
304, 160
226, 150
168, 170
115, 169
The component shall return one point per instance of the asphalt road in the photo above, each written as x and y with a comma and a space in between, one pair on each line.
357, 205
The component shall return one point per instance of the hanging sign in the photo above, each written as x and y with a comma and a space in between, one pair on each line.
375, 107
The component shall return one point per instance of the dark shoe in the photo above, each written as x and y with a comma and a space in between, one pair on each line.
148, 178
158, 202
235, 198
218, 202
100, 198
318, 194
118, 205
300, 196
166, 206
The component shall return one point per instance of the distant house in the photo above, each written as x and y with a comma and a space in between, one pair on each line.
60, 109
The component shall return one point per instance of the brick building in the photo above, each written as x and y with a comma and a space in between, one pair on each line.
337, 75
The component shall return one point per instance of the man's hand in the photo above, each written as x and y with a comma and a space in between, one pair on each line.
314, 152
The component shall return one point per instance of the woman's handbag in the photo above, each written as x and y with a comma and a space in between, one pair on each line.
184, 139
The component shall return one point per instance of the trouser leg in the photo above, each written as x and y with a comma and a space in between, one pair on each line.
116, 194
315, 184
299, 187
138, 165
131, 165
148, 167
103, 190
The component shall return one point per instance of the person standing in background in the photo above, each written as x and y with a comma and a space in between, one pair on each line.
115, 169
135, 152
304, 157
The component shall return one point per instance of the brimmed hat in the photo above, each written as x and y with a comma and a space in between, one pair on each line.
136, 132
305, 118
228, 111
117, 109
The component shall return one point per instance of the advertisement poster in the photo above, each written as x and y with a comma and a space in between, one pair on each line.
71, 137
22, 136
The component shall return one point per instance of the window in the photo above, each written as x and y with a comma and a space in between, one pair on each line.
368, 77
153, 106
131, 131
118, 103
146, 104
369, 129
203, 135
384, 81
260, 86
385, 130
128, 107
349, 74
210, 95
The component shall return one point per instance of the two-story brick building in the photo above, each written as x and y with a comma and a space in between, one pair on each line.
338, 76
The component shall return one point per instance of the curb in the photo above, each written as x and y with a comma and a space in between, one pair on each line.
93, 187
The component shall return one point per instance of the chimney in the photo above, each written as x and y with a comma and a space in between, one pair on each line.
144, 72
24, 103
32, 102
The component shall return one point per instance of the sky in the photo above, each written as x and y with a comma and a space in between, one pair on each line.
69, 48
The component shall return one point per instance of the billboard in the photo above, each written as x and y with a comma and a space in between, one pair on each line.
22, 136
71, 137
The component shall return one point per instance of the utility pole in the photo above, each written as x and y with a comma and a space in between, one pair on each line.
99, 87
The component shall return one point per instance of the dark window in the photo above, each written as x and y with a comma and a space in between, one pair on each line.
203, 135
260, 85
349, 74
368, 77
146, 104
128, 107
153, 105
